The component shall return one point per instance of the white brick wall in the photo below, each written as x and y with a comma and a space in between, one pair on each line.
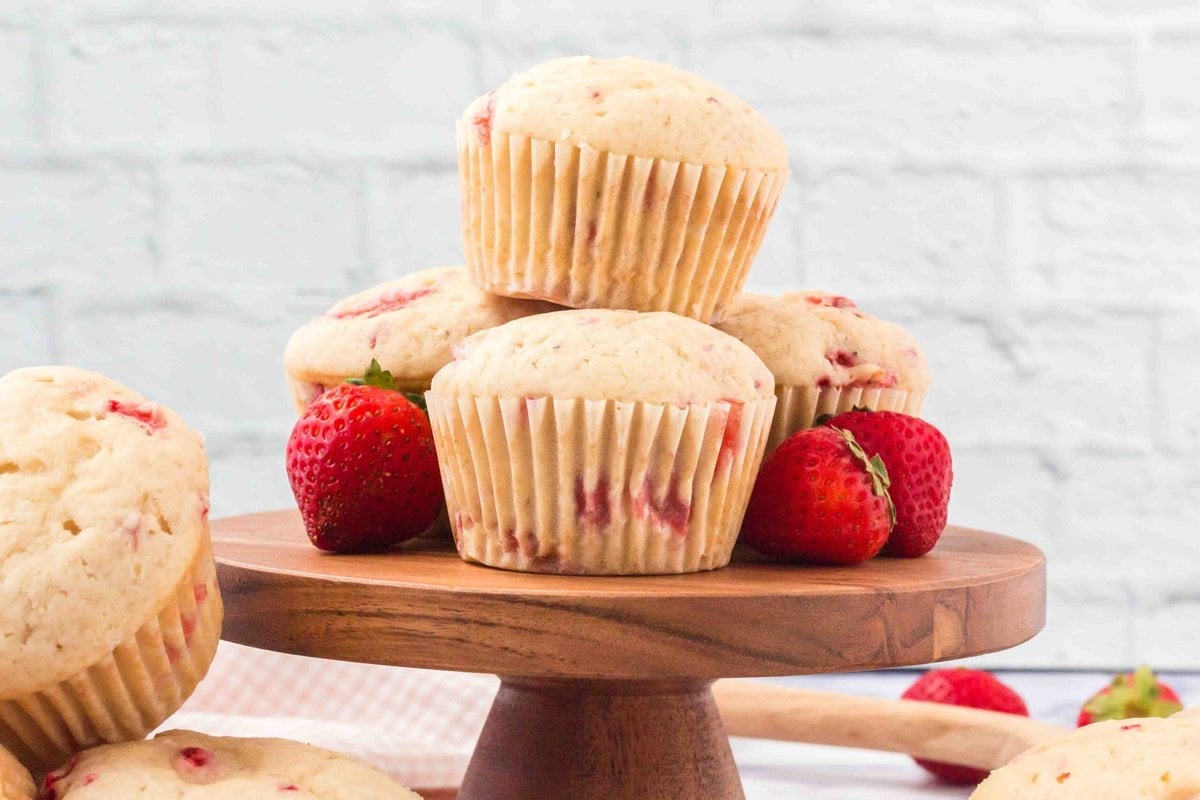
281, 224
183, 182
16, 87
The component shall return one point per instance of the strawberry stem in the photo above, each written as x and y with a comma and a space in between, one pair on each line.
875, 468
380, 378
1126, 699
376, 376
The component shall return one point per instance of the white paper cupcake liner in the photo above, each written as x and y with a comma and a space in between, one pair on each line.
799, 407
590, 229
597, 487
133, 688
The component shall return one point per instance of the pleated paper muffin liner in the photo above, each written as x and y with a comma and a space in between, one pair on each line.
800, 406
590, 229
598, 487
133, 688
15, 781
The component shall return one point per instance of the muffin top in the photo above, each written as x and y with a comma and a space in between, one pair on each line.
1118, 759
631, 107
604, 354
15, 781
103, 505
823, 340
181, 765
409, 325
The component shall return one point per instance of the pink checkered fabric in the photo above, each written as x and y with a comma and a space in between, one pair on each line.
419, 726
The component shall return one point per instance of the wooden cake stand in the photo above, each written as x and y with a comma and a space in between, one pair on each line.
605, 688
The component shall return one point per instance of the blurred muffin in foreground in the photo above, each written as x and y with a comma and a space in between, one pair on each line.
109, 608
180, 765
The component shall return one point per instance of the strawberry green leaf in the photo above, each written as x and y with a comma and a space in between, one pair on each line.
380, 378
376, 376
1126, 699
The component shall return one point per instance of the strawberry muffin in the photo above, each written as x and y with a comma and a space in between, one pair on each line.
600, 442
1113, 760
111, 610
828, 356
180, 765
408, 325
616, 184
15, 781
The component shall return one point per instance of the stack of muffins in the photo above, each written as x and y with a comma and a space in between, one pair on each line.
621, 436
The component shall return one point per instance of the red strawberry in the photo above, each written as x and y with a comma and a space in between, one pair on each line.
1134, 694
963, 687
819, 498
363, 468
917, 458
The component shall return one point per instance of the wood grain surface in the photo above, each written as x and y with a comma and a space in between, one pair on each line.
972, 737
602, 740
421, 606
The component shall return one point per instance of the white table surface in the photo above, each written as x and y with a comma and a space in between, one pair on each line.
784, 771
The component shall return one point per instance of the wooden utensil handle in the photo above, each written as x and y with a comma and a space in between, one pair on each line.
967, 736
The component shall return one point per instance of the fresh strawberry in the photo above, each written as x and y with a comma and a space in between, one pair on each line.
973, 688
917, 458
363, 468
819, 498
1134, 694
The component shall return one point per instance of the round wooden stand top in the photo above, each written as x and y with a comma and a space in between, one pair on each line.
421, 606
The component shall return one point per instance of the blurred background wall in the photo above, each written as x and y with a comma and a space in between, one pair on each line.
184, 182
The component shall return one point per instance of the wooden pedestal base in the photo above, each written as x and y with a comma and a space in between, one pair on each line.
611, 739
